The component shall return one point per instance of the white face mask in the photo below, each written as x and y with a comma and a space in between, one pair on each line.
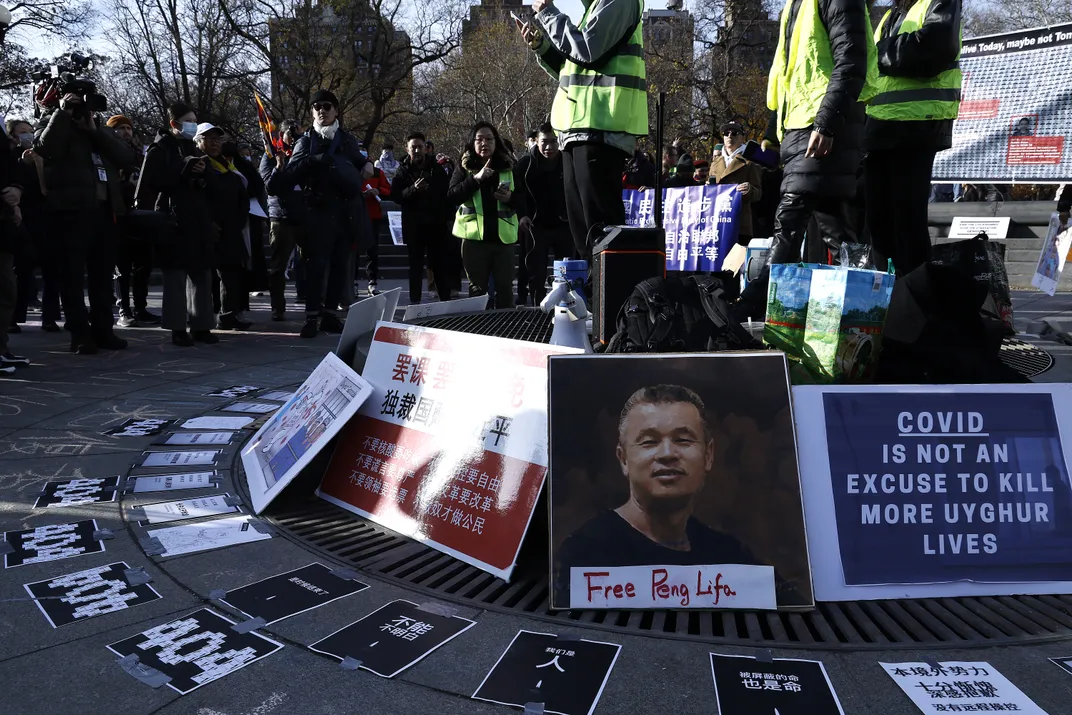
189, 129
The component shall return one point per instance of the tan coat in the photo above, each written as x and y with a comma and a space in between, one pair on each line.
740, 171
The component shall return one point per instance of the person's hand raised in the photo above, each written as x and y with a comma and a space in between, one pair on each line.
486, 173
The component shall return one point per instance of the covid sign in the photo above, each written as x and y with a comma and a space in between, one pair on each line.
941, 487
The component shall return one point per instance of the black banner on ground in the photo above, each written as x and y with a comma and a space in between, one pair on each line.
196, 649
88, 593
72, 492
567, 676
51, 543
392, 638
288, 594
140, 428
746, 686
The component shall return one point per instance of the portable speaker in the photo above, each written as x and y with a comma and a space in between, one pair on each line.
621, 258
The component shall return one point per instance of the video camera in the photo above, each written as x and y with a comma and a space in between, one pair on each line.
61, 79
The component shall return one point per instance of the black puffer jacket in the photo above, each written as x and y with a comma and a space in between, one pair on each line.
922, 54
425, 207
841, 114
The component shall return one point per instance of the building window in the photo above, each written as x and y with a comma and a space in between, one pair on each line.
360, 44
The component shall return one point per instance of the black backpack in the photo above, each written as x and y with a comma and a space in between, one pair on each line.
687, 314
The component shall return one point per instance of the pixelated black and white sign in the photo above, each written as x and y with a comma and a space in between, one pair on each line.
567, 676
392, 638
233, 391
73, 492
88, 593
745, 685
288, 594
196, 649
140, 428
51, 543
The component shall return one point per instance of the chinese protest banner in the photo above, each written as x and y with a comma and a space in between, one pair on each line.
955, 491
650, 508
958, 686
451, 448
301, 428
743, 685
700, 221
1015, 109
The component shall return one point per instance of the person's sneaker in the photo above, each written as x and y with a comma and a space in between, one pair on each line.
278, 316
14, 328
309, 329
7, 371
372, 289
49, 326
83, 346
111, 342
330, 324
9, 360
228, 322
205, 336
126, 320
181, 338
144, 316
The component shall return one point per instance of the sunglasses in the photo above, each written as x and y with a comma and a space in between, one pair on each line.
732, 133
323, 106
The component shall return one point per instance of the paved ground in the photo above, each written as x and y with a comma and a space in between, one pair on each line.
51, 421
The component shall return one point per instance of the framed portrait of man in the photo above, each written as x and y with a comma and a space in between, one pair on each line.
674, 483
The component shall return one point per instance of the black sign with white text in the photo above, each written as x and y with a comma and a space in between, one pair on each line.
746, 686
567, 676
1064, 664
233, 391
196, 649
51, 543
288, 594
88, 593
140, 428
392, 638
78, 491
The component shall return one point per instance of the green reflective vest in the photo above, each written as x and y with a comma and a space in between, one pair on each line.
612, 97
802, 68
908, 99
469, 221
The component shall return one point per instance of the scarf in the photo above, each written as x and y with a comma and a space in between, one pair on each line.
221, 167
327, 132
727, 155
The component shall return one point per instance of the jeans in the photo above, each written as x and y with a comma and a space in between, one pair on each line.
484, 260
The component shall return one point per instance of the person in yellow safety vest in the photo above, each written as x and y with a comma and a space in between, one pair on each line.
817, 83
601, 105
909, 120
488, 196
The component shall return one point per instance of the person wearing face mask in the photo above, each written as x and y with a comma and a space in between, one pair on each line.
174, 181
327, 164
82, 161
387, 163
135, 260
730, 167
36, 250
286, 212
230, 205
489, 195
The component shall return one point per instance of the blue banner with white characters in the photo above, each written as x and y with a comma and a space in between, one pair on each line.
940, 487
701, 223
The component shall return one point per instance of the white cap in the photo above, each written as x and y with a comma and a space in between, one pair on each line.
204, 128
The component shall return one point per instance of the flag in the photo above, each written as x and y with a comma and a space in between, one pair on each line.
272, 142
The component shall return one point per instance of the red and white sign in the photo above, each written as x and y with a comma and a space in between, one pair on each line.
451, 448
633, 587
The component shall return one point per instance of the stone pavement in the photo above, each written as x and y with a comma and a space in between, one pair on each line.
52, 416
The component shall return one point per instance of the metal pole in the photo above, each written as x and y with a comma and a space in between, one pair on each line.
659, 159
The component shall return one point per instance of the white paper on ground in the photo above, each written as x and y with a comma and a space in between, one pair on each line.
216, 422
179, 459
215, 534
174, 482
198, 507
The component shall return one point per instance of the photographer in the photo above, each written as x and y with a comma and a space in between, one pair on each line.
174, 181
82, 162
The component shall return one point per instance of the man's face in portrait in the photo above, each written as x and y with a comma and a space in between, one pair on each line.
664, 452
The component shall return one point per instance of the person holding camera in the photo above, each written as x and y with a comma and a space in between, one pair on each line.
485, 188
174, 180
420, 188
82, 161
326, 164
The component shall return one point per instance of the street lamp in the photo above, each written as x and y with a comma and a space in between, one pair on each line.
5, 21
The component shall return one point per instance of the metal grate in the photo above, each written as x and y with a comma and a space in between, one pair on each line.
923, 623
1027, 359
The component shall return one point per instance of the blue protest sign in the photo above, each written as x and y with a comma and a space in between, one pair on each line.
941, 487
700, 221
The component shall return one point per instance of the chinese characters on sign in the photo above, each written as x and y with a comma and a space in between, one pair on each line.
700, 221
959, 687
743, 684
288, 594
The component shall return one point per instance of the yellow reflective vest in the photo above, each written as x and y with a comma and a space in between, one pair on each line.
469, 221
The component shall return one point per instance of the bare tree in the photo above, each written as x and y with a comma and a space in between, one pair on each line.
986, 17
65, 19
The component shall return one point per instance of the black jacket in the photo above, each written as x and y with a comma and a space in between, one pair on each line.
1064, 204
925, 53
463, 185
425, 207
841, 114
230, 208
545, 189
167, 184
285, 201
70, 172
